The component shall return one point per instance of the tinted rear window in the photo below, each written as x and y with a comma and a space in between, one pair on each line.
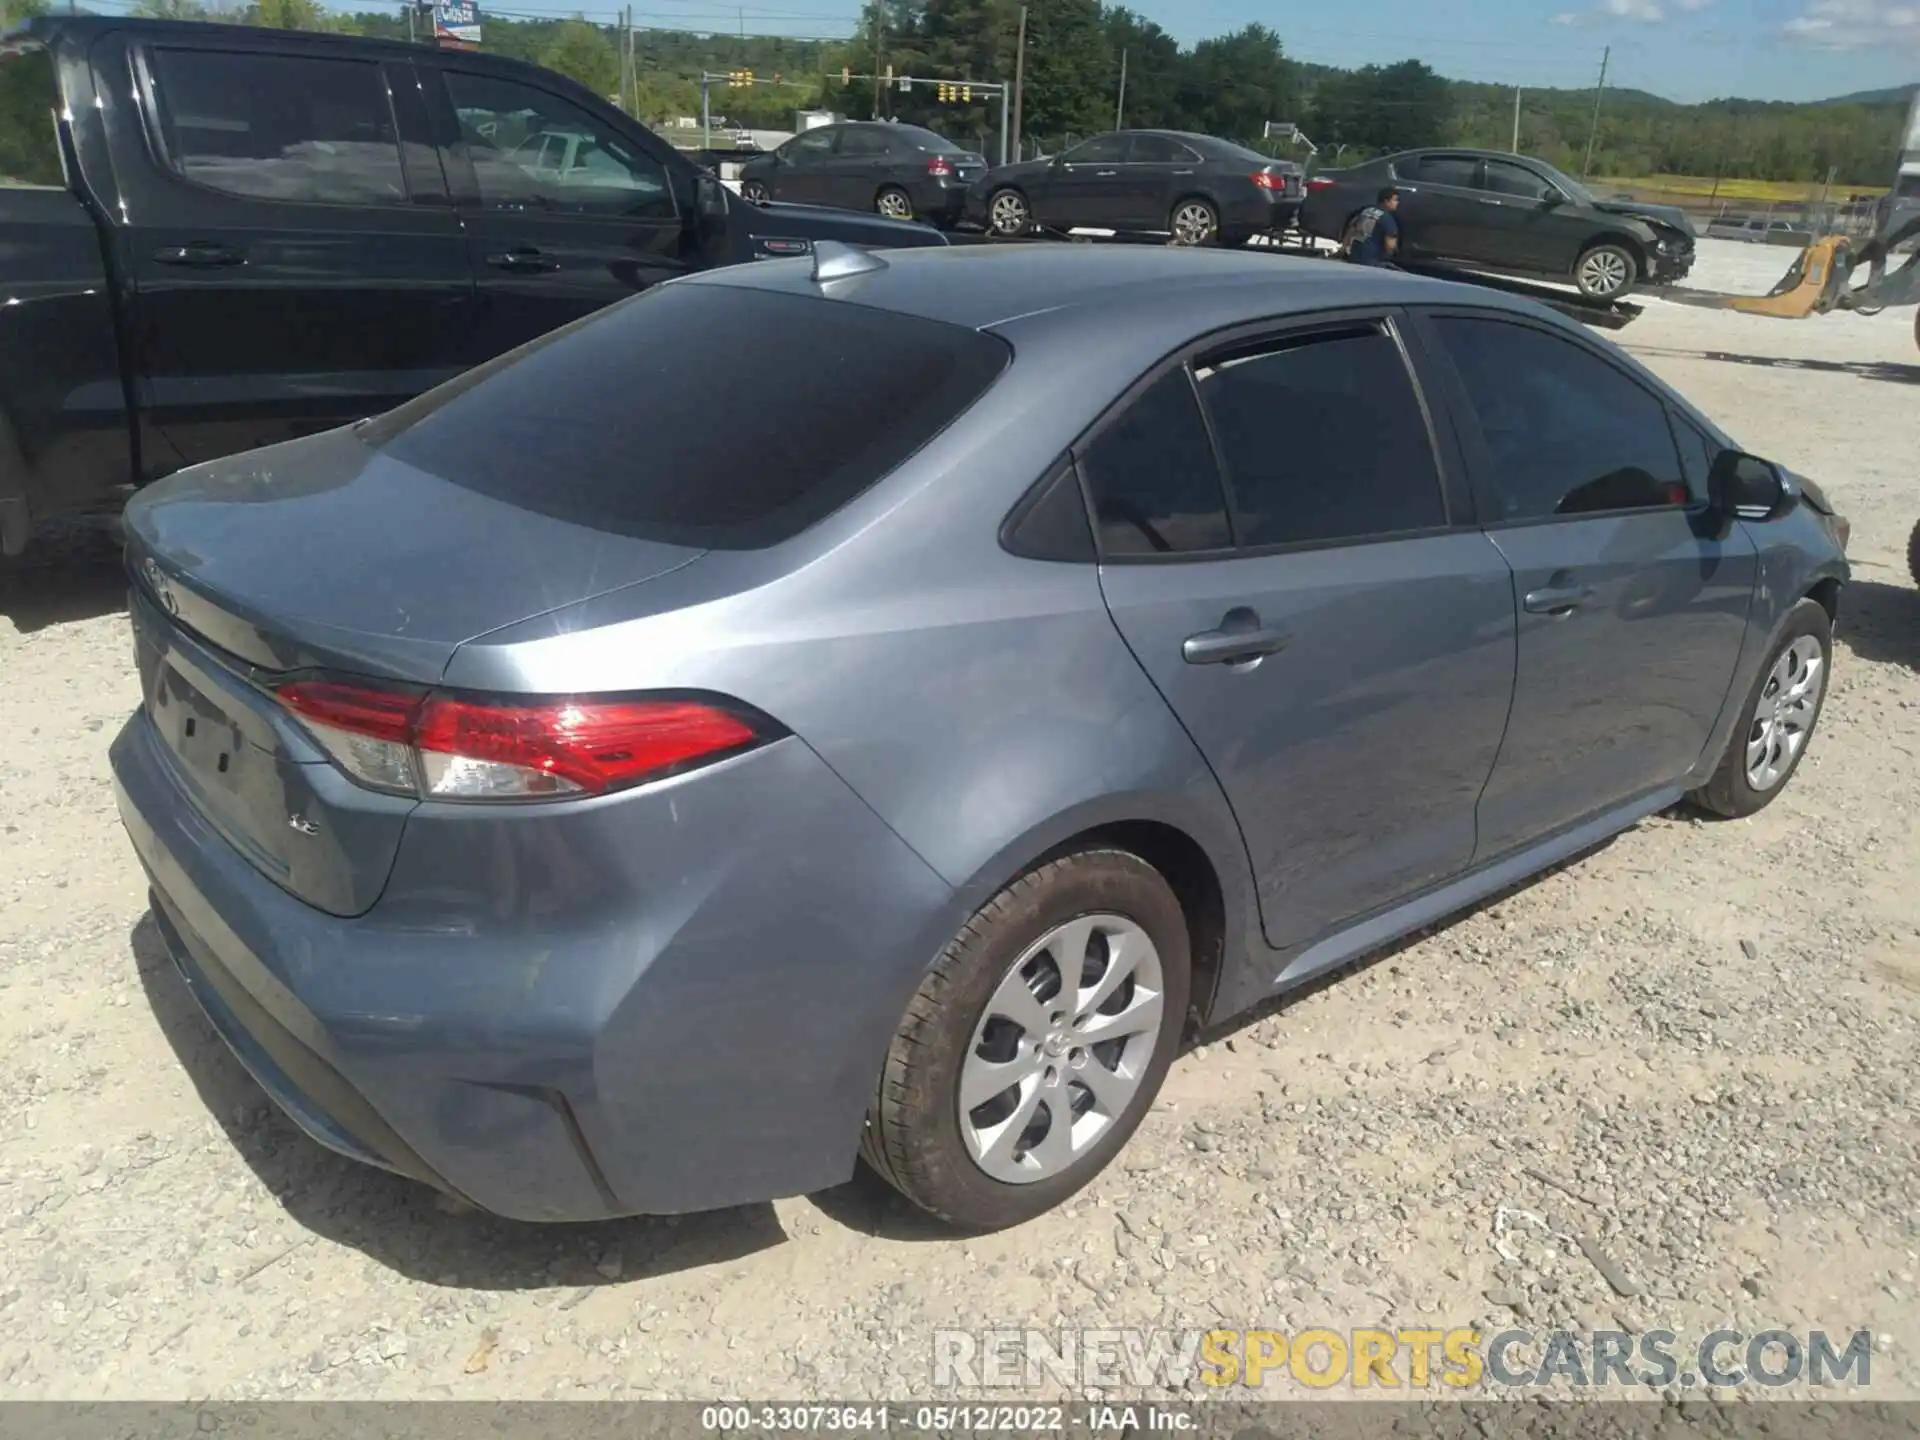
931, 143
699, 415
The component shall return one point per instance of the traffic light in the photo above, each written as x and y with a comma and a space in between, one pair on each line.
966, 94
946, 92
739, 79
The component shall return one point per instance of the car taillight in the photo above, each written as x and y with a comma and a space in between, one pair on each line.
450, 747
938, 165
1269, 181
1319, 182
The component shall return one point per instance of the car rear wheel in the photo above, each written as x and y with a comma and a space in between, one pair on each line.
1035, 1044
1778, 721
1194, 222
1008, 213
754, 192
894, 203
1606, 272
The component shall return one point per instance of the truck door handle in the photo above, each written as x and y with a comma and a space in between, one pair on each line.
1557, 600
1233, 644
203, 256
523, 260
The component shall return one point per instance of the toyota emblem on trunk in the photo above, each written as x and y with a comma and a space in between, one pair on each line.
162, 588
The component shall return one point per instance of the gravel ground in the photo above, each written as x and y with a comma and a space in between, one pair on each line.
1691, 1054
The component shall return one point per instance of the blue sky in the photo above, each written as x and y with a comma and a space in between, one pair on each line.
1686, 49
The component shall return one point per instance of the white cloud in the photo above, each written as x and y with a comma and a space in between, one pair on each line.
1612, 12
1857, 25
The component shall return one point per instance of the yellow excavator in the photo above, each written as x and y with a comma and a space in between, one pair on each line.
1838, 273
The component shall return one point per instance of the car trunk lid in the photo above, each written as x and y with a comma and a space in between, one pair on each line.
327, 556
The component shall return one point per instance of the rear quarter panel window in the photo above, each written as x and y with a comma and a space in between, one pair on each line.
700, 415
1153, 479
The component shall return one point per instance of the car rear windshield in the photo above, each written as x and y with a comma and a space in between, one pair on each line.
933, 144
29, 100
706, 415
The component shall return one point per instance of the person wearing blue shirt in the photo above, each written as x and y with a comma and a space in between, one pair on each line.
1377, 232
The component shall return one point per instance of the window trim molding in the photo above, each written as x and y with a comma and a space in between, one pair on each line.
154, 126
1473, 442
1389, 319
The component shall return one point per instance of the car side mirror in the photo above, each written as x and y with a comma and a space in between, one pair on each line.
1748, 487
1551, 199
710, 196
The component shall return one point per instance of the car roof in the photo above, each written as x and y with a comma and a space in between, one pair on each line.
1097, 288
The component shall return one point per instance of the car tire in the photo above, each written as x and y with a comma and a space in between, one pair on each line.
974, 1170
1606, 271
894, 203
1777, 722
1193, 221
1913, 553
754, 192
1008, 214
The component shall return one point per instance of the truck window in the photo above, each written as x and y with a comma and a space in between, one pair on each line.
586, 168
278, 127
29, 139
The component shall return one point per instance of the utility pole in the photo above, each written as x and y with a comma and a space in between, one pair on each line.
1516, 120
1120, 109
879, 28
410, 37
1593, 130
1019, 79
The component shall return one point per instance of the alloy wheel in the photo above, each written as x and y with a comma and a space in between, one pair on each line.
1061, 1048
1784, 717
1604, 273
1194, 223
894, 204
753, 192
1008, 213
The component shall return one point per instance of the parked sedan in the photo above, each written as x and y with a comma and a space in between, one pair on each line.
904, 172
1194, 188
1508, 213
589, 795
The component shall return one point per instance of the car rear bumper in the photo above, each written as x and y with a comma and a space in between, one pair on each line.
675, 999
938, 201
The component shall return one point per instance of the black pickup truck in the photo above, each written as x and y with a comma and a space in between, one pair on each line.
215, 237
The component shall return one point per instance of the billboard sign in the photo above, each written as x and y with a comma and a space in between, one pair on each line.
456, 23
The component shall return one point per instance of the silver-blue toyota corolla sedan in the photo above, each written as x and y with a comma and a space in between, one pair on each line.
595, 788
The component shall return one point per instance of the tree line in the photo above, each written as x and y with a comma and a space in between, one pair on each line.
1230, 85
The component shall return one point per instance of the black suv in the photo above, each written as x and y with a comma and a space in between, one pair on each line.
1508, 213
904, 172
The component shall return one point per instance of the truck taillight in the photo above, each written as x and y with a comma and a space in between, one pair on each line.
450, 747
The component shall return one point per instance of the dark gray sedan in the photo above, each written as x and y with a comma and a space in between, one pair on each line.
590, 794
1195, 189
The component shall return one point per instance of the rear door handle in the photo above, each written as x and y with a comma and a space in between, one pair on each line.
1232, 647
523, 260
1104, 174
1557, 599
203, 256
